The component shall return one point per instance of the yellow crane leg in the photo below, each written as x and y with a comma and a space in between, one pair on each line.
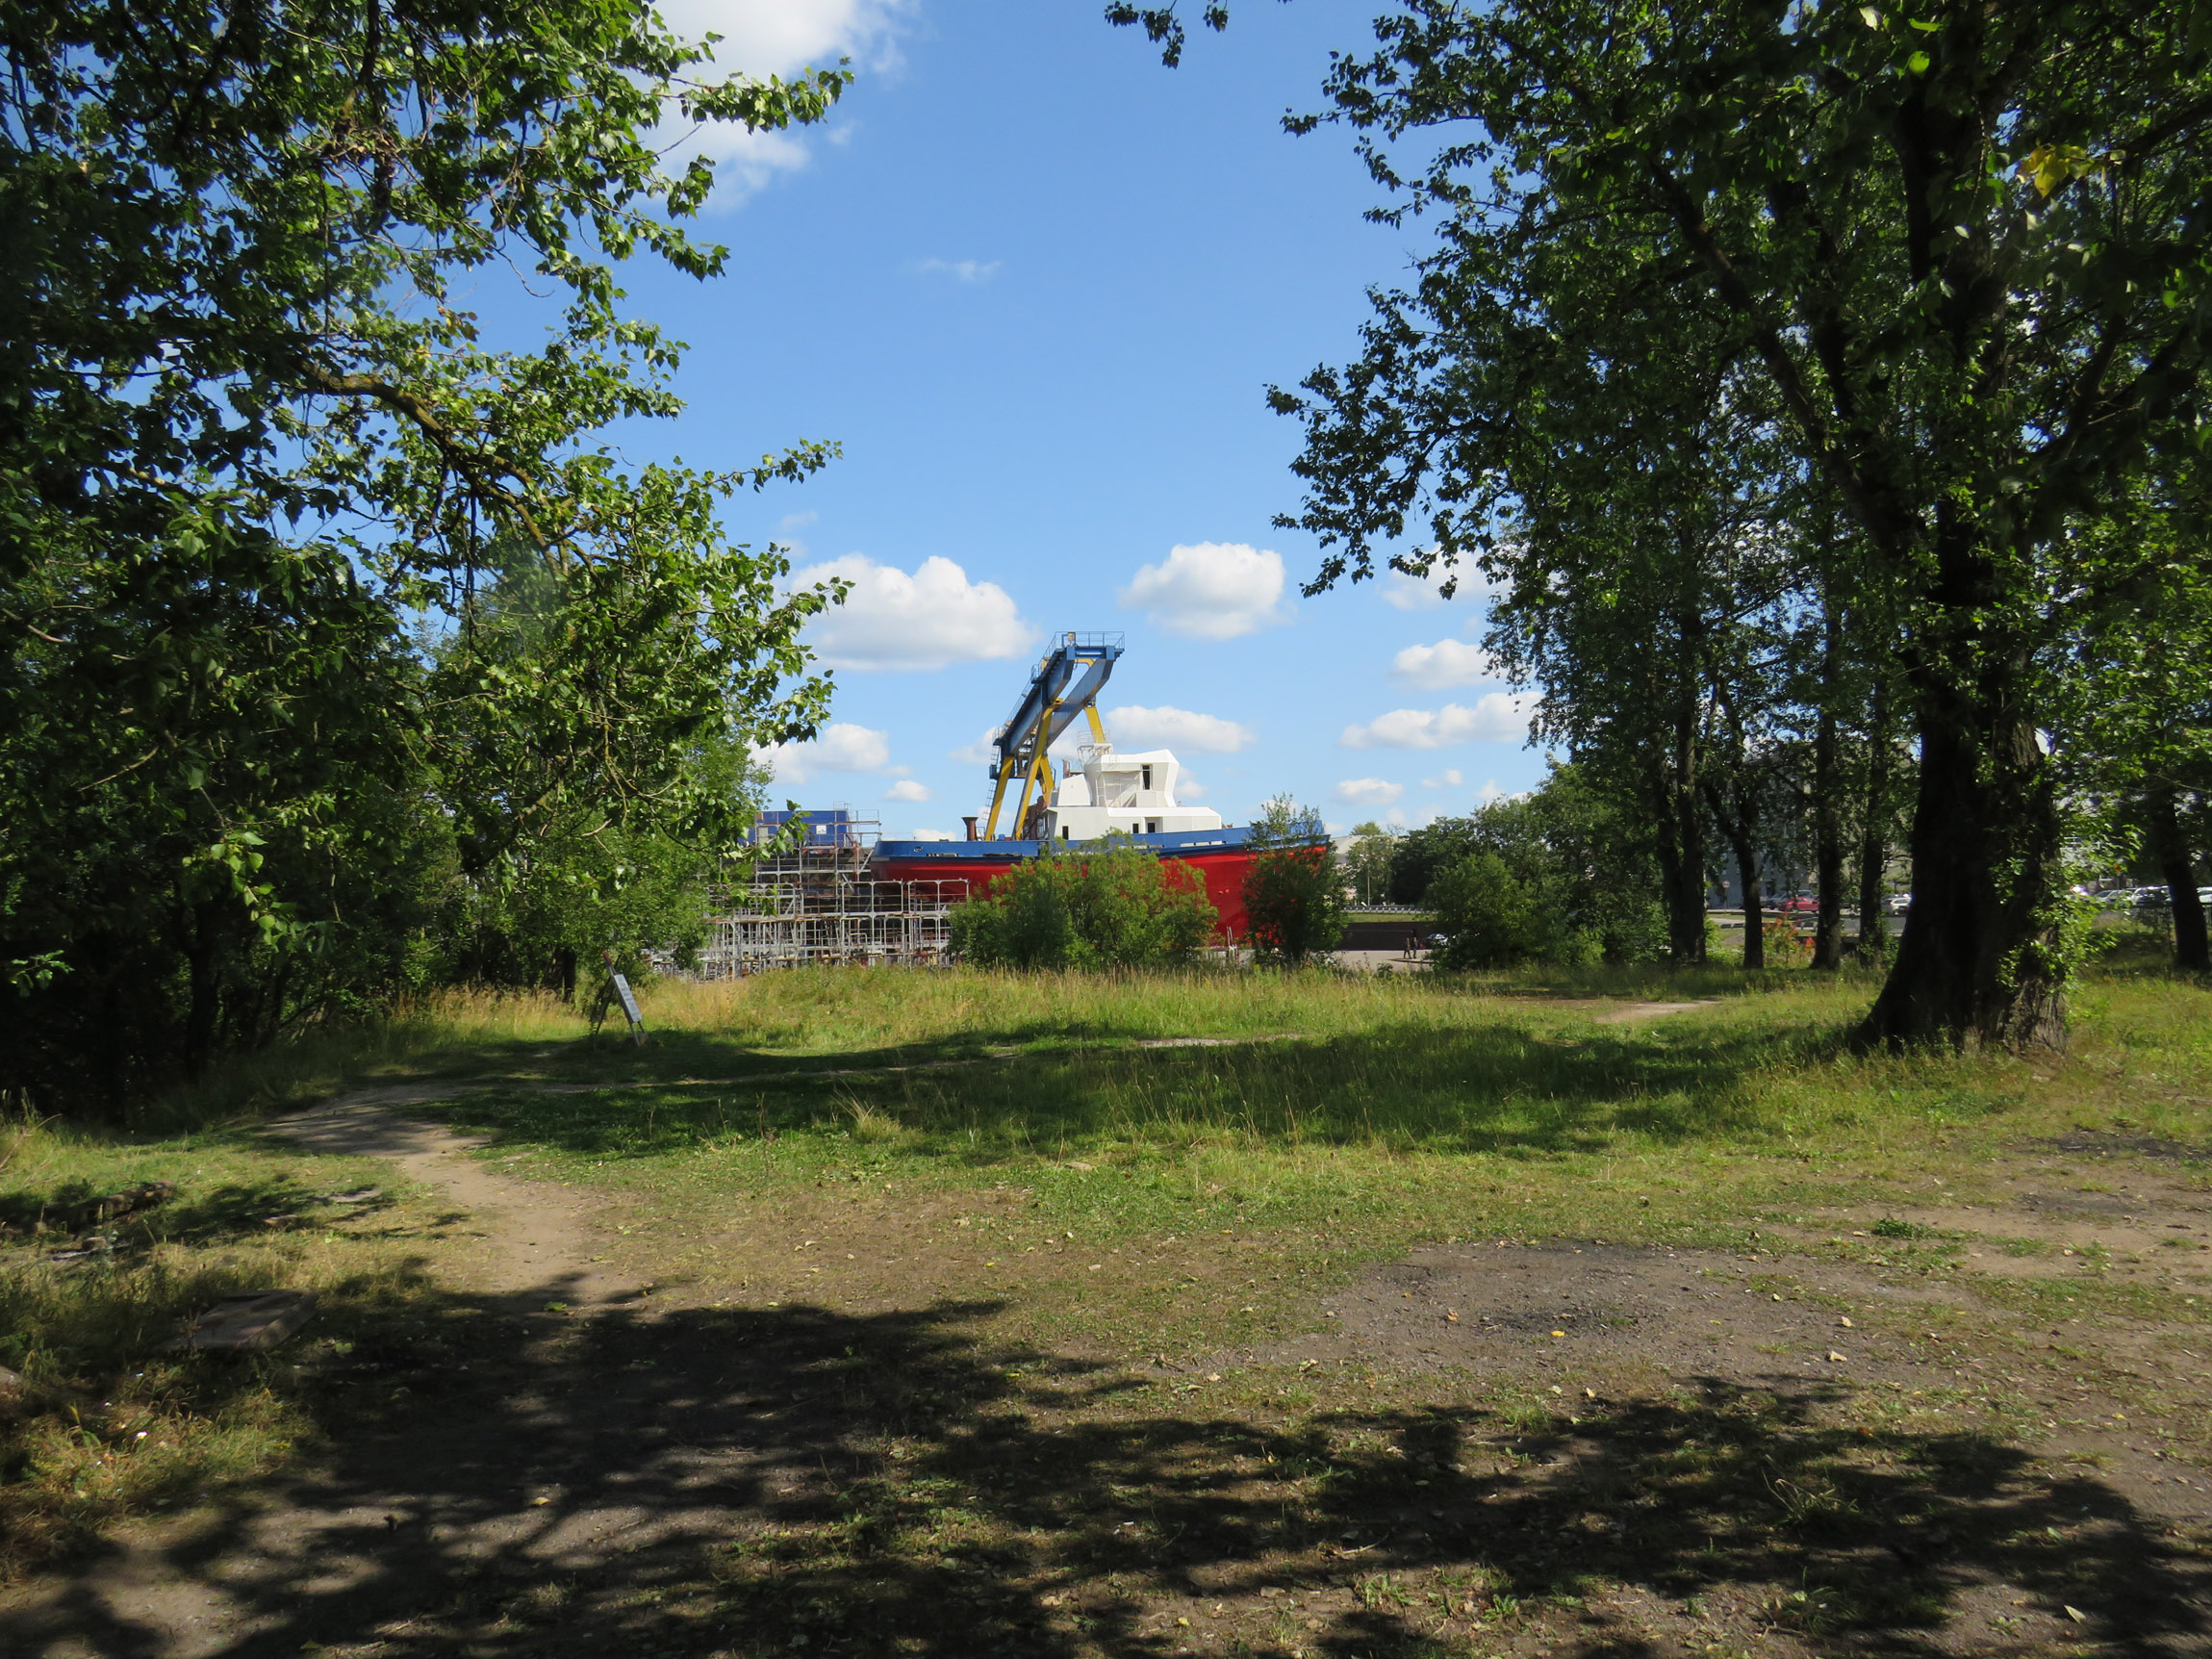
998, 795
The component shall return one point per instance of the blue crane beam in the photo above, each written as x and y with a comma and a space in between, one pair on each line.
1062, 688
1066, 683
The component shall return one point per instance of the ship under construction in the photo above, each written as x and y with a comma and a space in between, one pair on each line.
829, 889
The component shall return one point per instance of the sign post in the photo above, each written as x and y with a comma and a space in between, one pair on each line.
629, 1001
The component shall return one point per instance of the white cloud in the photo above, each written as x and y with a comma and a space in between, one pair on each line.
933, 618
1368, 792
1450, 779
908, 789
983, 751
1211, 590
1189, 789
797, 520
841, 747
772, 37
967, 271
1448, 663
1165, 728
1498, 717
1489, 792
745, 162
775, 37
1405, 593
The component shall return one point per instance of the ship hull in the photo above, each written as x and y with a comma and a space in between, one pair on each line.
1218, 859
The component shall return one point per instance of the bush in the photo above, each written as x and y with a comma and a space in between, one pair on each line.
1558, 873
1117, 908
1785, 946
1294, 892
1488, 916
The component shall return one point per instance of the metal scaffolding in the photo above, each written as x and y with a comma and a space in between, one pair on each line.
817, 902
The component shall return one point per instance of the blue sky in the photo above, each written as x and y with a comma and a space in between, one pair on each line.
1036, 283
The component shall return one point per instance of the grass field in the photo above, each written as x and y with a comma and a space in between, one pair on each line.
1090, 1305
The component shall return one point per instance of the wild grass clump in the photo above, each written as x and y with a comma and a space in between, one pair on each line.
107, 1421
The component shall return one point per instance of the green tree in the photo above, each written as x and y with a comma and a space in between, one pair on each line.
1294, 892
1373, 850
254, 458
1488, 916
2138, 740
1423, 854
1963, 250
1107, 905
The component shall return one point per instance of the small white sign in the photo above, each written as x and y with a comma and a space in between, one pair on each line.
629, 1003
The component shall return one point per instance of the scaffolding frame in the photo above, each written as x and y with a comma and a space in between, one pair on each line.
817, 903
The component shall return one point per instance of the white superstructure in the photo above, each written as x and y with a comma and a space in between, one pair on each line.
1133, 793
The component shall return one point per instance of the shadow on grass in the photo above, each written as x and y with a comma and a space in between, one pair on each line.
1483, 1089
804, 1480
236, 1210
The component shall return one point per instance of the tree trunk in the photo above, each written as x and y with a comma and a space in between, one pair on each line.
1686, 887
1680, 844
1979, 964
1742, 829
1827, 847
1874, 834
1754, 913
1685, 904
2177, 870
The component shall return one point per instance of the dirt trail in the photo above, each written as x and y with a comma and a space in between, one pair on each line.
482, 1479
1636, 1014
531, 1234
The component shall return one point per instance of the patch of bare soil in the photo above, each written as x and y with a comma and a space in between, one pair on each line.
1600, 1321
1636, 1014
1569, 1313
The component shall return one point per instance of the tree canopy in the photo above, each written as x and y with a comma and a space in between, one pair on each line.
1955, 254
309, 587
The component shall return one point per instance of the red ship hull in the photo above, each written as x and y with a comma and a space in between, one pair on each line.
1222, 873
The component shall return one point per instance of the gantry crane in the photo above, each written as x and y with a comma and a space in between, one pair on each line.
1065, 684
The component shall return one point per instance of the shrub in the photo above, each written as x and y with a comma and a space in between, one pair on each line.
1488, 916
1116, 908
1294, 892
1785, 946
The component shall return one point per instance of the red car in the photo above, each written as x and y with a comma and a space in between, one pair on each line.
1802, 904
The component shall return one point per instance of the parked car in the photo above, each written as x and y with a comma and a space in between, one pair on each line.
1898, 903
1799, 904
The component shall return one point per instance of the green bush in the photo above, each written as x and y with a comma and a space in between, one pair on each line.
1120, 906
1294, 892
1559, 873
1488, 916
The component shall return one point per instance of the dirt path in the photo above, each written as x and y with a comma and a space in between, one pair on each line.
1636, 1013
488, 1465
531, 1236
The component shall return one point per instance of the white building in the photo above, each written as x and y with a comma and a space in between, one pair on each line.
1133, 793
